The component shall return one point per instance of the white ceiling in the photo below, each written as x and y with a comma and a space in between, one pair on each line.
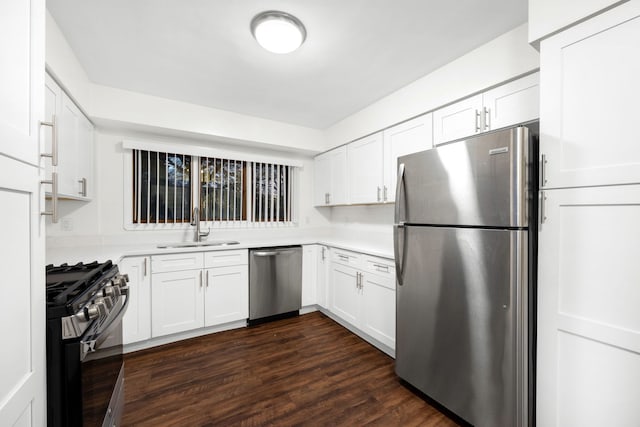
202, 52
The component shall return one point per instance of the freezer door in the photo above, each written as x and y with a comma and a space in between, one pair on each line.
461, 320
482, 181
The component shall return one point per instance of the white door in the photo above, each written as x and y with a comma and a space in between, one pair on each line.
322, 179
84, 170
345, 295
365, 170
464, 118
22, 306
177, 302
338, 194
136, 324
68, 147
379, 308
226, 295
588, 299
589, 91
309, 274
512, 103
406, 138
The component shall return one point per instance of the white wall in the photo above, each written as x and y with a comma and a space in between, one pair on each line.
502, 59
101, 221
549, 16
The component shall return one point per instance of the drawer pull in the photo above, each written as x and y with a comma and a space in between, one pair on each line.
381, 267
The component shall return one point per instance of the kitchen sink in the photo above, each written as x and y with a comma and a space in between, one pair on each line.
199, 244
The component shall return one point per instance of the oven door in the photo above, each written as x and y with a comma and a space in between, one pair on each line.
102, 369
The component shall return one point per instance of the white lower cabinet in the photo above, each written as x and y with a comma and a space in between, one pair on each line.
309, 274
226, 294
363, 294
136, 323
213, 293
177, 302
322, 276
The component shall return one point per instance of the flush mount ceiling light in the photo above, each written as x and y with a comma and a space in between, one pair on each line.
278, 32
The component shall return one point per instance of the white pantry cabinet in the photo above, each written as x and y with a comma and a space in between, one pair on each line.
193, 290
330, 178
365, 169
74, 148
506, 105
405, 138
136, 323
363, 294
589, 91
588, 297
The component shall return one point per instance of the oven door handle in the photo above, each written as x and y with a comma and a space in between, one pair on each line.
89, 345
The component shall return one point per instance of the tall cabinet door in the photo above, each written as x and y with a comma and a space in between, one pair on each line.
177, 302
406, 138
463, 118
22, 306
137, 320
588, 299
365, 170
227, 294
589, 101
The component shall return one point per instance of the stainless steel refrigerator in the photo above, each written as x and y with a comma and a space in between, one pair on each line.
465, 262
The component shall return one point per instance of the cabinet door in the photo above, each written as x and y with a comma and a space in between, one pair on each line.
322, 270
365, 180
588, 298
338, 194
379, 308
589, 93
345, 295
177, 302
137, 320
512, 103
227, 294
67, 147
84, 157
457, 120
322, 179
405, 138
309, 274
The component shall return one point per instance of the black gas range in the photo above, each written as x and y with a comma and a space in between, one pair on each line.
85, 369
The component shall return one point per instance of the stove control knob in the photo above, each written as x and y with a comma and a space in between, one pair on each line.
120, 279
106, 302
93, 311
111, 291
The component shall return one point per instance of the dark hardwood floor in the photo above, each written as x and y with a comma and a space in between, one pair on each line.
300, 371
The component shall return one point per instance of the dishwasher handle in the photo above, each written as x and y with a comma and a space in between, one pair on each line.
271, 253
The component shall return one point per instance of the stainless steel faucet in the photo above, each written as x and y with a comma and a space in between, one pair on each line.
196, 222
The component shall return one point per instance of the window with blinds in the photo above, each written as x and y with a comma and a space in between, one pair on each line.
225, 190
161, 187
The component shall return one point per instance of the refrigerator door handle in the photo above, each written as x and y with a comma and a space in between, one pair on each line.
398, 230
399, 193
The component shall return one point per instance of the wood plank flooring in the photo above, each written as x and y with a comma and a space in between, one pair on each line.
300, 371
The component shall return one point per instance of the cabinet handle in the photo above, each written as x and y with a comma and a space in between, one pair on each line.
344, 257
543, 215
53, 124
381, 267
328, 198
378, 193
543, 170
323, 255
384, 193
487, 118
145, 266
200, 278
54, 197
206, 278
83, 183
477, 121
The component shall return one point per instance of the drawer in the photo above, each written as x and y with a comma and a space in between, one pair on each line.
379, 266
176, 262
341, 256
226, 258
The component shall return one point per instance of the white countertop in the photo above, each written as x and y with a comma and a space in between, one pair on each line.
87, 253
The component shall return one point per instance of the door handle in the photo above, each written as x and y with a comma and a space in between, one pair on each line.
399, 254
399, 193
54, 140
54, 197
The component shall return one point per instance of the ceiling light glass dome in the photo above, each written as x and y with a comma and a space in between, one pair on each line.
278, 32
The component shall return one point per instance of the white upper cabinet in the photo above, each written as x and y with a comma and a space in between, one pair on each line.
74, 148
590, 91
506, 105
512, 103
365, 172
406, 138
457, 120
330, 187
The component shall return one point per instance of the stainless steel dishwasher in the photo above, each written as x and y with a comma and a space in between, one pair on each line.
275, 281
